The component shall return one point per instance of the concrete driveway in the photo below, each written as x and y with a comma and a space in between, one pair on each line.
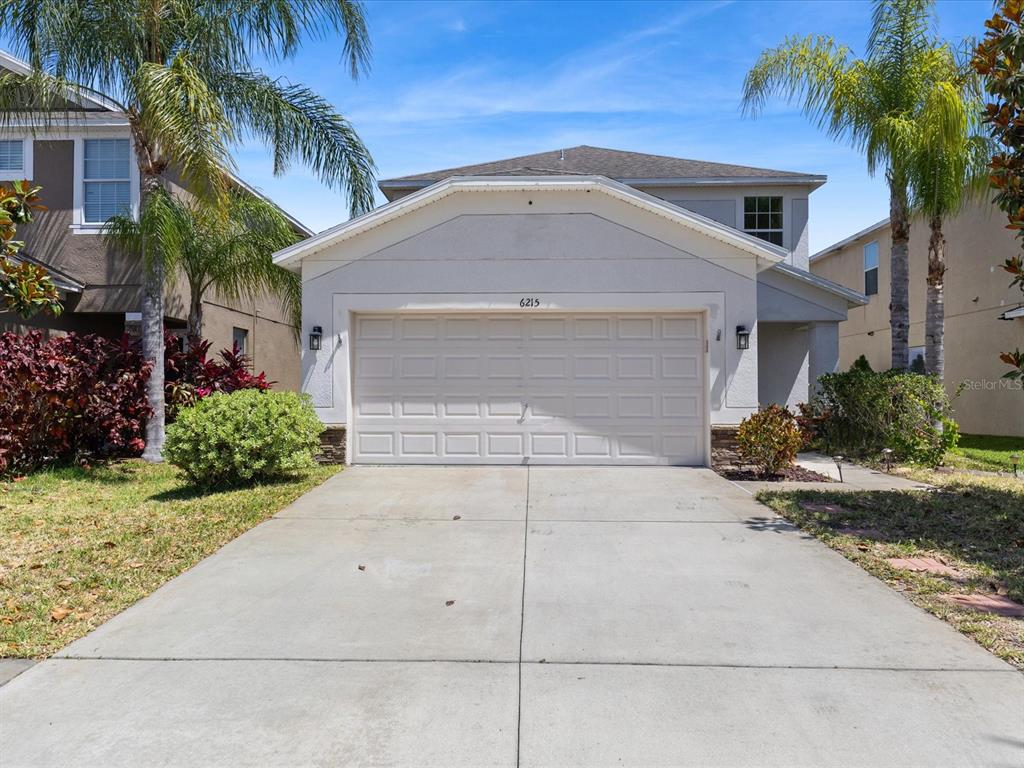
511, 616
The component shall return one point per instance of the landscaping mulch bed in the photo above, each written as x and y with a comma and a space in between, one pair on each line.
790, 475
79, 545
956, 550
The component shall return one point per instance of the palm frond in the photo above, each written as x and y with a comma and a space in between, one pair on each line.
231, 252
278, 28
299, 125
156, 235
181, 115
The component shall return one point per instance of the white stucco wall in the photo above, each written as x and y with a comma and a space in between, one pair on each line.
572, 250
783, 363
823, 354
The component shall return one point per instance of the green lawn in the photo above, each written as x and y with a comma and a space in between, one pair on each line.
78, 546
986, 452
973, 524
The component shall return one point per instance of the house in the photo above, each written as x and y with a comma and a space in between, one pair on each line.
579, 306
984, 316
86, 167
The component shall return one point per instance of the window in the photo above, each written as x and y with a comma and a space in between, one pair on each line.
15, 159
239, 339
917, 359
12, 155
106, 179
871, 268
762, 217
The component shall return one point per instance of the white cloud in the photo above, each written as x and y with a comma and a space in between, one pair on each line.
624, 75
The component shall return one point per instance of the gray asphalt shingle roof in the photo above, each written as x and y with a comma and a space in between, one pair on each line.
597, 161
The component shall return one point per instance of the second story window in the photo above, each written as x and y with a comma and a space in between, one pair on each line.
106, 179
762, 217
12, 155
871, 268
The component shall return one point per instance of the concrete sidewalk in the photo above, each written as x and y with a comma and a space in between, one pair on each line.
854, 477
567, 617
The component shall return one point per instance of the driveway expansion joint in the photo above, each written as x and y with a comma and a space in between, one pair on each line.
522, 621
539, 663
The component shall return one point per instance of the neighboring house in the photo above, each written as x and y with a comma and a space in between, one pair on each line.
578, 306
984, 317
88, 172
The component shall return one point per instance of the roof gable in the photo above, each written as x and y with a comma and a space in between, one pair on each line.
764, 252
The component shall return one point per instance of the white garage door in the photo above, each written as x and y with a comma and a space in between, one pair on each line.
542, 389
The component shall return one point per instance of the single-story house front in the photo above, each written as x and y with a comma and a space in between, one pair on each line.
581, 306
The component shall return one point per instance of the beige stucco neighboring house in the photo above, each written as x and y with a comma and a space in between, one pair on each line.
577, 306
85, 164
983, 315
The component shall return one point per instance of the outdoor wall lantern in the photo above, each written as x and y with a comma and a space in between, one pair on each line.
742, 337
314, 337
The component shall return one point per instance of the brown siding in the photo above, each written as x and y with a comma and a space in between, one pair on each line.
273, 345
113, 281
976, 293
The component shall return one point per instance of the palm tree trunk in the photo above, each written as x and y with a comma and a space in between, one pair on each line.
935, 313
195, 312
899, 276
153, 340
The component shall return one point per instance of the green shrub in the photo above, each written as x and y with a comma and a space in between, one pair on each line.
861, 364
770, 439
861, 412
242, 437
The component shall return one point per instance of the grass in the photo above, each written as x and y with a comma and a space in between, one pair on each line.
973, 524
986, 452
78, 546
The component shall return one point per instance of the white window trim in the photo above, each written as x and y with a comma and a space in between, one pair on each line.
753, 232
26, 158
864, 267
78, 224
245, 339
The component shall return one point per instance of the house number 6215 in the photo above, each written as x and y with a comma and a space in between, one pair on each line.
529, 302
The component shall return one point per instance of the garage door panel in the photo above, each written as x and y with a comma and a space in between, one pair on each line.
370, 328
455, 407
592, 328
549, 389
458, 443
636, 328
502, 444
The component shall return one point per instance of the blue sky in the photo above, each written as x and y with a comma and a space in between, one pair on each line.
462, 82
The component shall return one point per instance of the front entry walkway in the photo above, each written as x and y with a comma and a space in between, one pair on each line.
438, 616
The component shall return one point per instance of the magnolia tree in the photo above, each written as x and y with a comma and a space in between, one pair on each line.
999, 59
25, 288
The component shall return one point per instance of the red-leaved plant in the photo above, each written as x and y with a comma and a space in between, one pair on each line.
191, 375
69, 399
79, 398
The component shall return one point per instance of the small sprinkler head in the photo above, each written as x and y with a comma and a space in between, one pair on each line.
839, 465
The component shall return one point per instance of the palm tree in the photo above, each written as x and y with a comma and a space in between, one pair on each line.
949, 167
872, 103
227, 251
183, 74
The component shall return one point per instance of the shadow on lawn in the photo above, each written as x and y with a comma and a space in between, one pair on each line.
188, 491
774, 525
981, 525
